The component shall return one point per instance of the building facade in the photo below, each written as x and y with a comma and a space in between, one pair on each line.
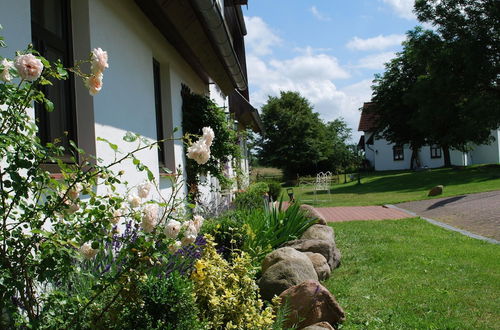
154, 47
383, 155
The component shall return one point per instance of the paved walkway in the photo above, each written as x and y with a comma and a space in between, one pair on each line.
349, 213
477, 213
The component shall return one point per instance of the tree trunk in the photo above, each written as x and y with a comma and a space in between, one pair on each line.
446, 153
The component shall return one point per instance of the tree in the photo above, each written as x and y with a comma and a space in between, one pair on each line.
443, 88
297, 140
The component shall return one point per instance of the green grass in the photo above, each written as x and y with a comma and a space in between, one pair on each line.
397, 186
409, 274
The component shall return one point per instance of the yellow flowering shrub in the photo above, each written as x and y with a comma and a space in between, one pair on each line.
227, 293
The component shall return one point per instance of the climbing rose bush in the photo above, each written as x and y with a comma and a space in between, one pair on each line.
55, 232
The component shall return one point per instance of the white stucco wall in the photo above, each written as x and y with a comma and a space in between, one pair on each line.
15, 17
487, 153
126, 102
427, 160
384, 159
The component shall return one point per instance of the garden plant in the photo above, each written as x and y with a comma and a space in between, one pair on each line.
86, 249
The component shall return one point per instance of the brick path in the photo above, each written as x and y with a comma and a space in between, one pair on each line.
349, 213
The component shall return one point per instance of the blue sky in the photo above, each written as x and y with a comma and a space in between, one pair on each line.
328, 50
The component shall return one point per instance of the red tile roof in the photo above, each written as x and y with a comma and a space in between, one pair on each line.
368, 120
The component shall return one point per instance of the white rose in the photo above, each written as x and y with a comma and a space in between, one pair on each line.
198, 222
134, 201
175, 247
190, 228
172, 228
5, 74
208, 135
99, 60
188, 239
29, 67
149, 217
87, 251
117, 214
74, 192
199, 152
143, 189
94, 83
73, 207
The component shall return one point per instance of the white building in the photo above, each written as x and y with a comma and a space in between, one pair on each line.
154, 48
383, 155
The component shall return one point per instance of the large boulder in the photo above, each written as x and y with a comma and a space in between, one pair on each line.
319, 232
282, 269
311, 212
325, 248
310, 303
319, 326
320, 265
437, 190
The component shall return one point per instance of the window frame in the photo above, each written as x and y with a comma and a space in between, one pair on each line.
398, 152
435, 151
44, 39
84, 122
159, 112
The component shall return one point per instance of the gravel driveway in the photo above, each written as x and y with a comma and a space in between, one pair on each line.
477, 213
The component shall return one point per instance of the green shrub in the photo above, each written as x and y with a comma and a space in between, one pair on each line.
274, 190
227, 231
170, 302
269, 228
227, 293
252, 198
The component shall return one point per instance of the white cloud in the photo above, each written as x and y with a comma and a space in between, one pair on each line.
310, 72
379, 42
375, 61
260, 38
316, 13
403, 8
312, 77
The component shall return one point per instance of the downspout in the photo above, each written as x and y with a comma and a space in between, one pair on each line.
214, 21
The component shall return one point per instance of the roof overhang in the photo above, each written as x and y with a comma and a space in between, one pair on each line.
197, 30
244, 112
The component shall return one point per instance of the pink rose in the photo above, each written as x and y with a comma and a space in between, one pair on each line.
29, 67
5, 74
94, 83
99, 60
199, 152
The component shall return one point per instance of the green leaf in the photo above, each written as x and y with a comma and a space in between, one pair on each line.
130, 137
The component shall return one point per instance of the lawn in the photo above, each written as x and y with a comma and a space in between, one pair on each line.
393, 187
409, 274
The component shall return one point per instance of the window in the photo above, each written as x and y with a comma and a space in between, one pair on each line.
51, 31
158, 109
398, 152
435, 151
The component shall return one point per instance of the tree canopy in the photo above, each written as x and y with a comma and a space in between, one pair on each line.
298, 141
443, 87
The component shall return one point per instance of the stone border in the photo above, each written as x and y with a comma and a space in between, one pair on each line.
447, 226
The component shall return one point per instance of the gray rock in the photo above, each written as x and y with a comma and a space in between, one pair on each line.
320, 265
319, 232
284, 253
310, 303
319, 326
325, 248
437, 190
311, 212
289, 269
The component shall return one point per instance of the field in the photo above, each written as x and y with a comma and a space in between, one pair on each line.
393, 187
409, 274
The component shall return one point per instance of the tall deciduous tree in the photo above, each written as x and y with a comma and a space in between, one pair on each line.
444, 86
297, 140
